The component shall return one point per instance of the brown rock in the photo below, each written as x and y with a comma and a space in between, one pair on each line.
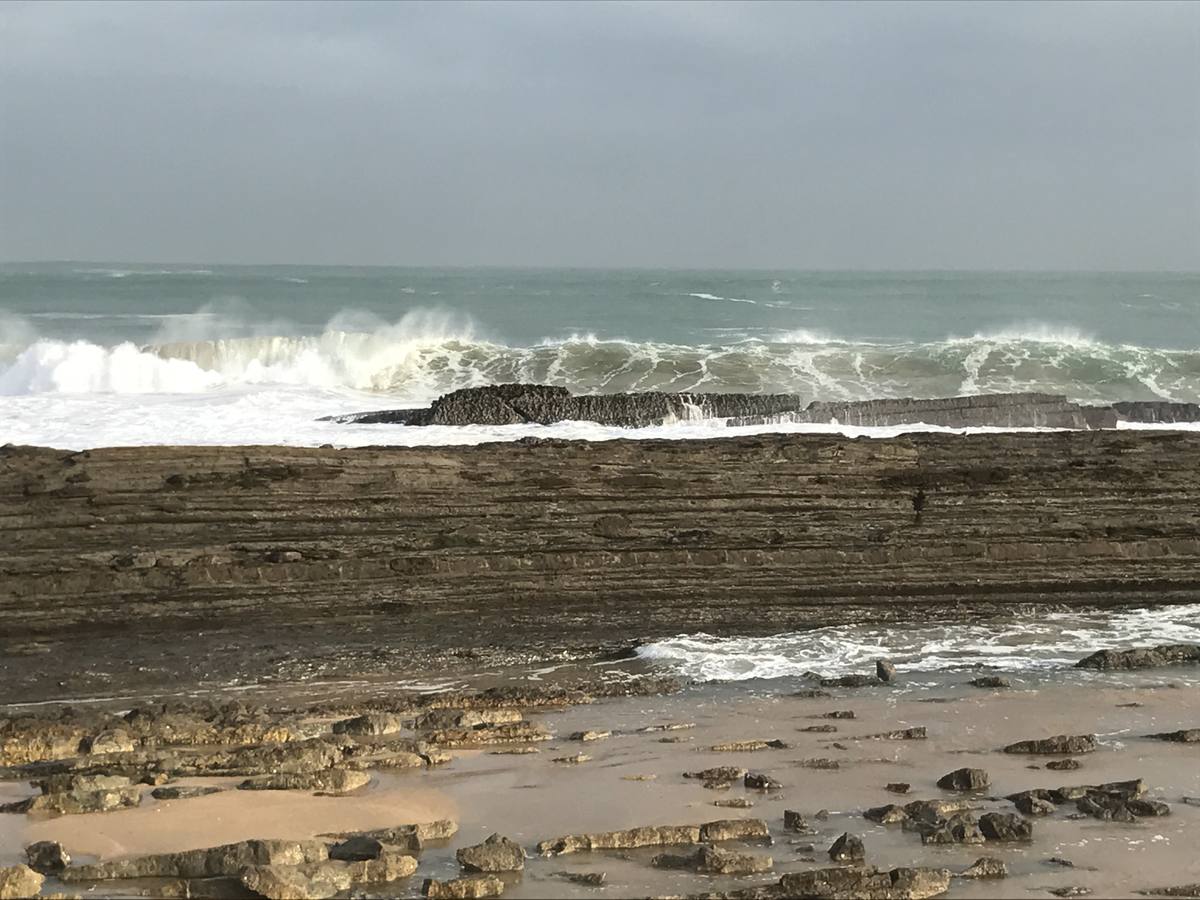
19, 882
861, 883
986, 867
331, 781
47, 857
715, 861
496, 854
848, 848
476, 888
1058, 745
964, 780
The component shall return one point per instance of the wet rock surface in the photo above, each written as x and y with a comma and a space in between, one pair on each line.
861, 883
496, 854
1142, 658
1059, 744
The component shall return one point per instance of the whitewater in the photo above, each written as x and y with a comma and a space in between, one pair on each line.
94, 355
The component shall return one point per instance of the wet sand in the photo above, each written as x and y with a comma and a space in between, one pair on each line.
635, 779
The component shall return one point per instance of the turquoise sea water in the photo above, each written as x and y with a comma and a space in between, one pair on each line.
88, 345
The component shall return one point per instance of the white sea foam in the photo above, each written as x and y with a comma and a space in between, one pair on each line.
1032, 641
704, 296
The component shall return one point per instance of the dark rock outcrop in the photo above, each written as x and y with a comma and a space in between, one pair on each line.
1142, 657
709, 860
47, 857
1156, 411
517, 404
861, 883
848, 848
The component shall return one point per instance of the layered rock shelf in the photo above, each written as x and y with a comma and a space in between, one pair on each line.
523, 404
210, 562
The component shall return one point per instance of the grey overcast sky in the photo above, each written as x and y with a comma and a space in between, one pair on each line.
814, 135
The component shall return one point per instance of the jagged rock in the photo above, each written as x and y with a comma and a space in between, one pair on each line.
934, 810
918, 733
794, 821
1005, 827
573, 760
886, 815
19, 882
369, 724
1033, 805
331, 781
47, 857
851, 681
78, 802
734, 830
211, 862
819, 729
985, 867
496, 854
70, 782
1064, 765
747, 746
483, 735
861, 883
1142, 658
715, 861
115, 741
1058, 745
991, 681
1157, 411
848, 848
898, 787
1074, 890
282, 882
1120, 808
964, 780
885, 670
475, 888
668, 726
959, 828
470, 718
758, 782
183, 792
1183, 736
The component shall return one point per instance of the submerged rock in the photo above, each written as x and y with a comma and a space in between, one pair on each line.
210, 862
657, 836
183, 792
885, 670
709, 860
1064, 765
496, 854
475, 888
747, 746
990, 681
1058, 745
959, 828
861, 883
409, 838
848, 848
1183, 736
331, 781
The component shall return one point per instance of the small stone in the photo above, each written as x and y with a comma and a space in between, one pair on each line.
734, 803
587, 879
572, 760
898, 787
886, 815
1033, 805
885, 670
590, 735
991, 681
1075, 890
839, 714
964, 779
820, 729
848, 848
745, 746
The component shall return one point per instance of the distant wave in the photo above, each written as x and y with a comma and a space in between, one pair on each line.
703, 296
428, 353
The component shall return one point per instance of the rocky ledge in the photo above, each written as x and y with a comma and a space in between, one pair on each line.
524, 404
318, 562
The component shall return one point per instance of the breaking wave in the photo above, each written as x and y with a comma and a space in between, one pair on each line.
426, 354
1034, 641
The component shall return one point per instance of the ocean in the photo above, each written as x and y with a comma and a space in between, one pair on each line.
122, 354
